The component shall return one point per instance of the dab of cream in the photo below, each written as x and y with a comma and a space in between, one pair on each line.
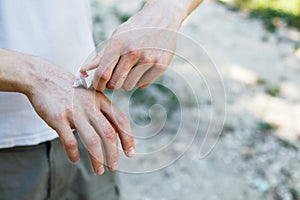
85, 79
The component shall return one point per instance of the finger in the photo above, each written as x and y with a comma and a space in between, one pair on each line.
93, 65
68, 140
122, 125
110, 56
95, 162
122, 69
135, 75
92, 143
104, 72
109, 140
151, 75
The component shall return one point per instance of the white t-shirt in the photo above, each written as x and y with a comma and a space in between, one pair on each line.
57, 30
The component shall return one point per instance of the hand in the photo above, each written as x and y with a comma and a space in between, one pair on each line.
139, 50
65, 108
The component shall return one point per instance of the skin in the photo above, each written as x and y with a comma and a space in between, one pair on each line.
64, 108
131, 57
124, 63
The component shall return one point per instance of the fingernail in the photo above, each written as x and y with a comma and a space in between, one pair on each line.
114, 166
85, 74
100, 170
130, 152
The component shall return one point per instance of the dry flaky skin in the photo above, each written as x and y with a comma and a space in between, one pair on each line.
64, 108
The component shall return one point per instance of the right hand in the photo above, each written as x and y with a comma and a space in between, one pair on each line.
65, 108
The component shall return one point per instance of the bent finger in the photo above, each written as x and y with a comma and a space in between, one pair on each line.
135, 75
92, 143
151, 75
104, 72
122, 125
122, 69
69, 141
109, 140
93, 65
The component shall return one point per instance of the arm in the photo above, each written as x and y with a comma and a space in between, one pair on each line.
64, 108
13, 79
141, 48
182, 8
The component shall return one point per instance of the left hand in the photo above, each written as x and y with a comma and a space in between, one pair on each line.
91, 113
139, 50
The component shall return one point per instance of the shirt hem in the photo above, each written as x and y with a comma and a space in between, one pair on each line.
28, 140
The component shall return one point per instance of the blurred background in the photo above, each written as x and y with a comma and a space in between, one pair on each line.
255, 46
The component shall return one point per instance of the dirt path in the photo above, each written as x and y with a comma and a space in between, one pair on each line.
249, 162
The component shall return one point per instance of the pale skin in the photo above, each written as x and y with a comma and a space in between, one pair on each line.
126, 62
63, 108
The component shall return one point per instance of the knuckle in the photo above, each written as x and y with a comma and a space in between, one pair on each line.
93, 141
113, 84
122, 120
105, 76
112, 146
71, 143
59, 116
69, 111
159, 68
148, 60
127, 87
134, 54
110, 133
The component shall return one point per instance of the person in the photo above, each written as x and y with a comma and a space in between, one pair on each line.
41, 45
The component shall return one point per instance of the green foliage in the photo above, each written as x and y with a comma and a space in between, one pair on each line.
265, 126
261, 81
272, 18
272, 12
124, 17
297, 46
274, 91
287, 144
285, 6
97, 19
295, 194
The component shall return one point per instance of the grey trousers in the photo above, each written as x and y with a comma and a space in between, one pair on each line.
44, 172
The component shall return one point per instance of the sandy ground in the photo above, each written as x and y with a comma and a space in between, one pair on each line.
249, 161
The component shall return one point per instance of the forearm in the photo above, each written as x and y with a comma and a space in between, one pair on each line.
16, 70
180, 8
24, 73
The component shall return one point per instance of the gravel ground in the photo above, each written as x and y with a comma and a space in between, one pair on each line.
257, 155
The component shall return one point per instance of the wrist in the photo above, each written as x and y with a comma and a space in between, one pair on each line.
174, 11
46, 76
30, 64
15, 71
178, 9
